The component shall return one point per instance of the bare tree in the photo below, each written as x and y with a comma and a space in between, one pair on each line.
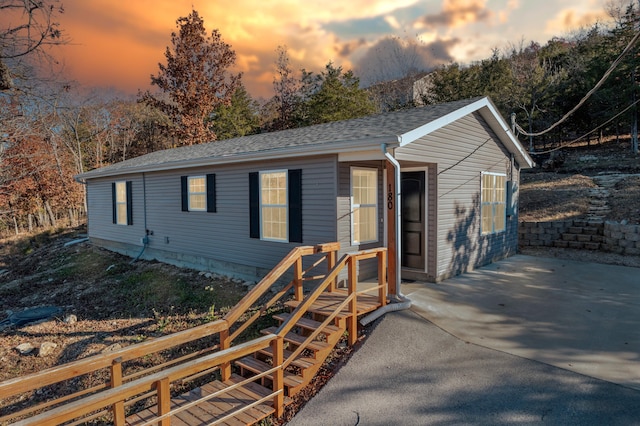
27, 27
534, 77
287, 91
195, 79
392, 58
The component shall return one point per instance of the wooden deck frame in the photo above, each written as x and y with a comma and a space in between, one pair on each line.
120, 390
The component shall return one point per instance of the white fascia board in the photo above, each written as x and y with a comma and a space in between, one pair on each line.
497, 124
312, 150
439, 123
507, 137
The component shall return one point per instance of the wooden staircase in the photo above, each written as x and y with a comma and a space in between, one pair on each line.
258, 377
303, 367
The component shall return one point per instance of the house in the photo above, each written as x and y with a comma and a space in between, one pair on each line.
238, 206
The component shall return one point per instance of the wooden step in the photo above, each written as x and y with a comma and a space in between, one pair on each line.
309, 324
327, 303
217, 407
256, 366
254, 390
300, 362
298, 340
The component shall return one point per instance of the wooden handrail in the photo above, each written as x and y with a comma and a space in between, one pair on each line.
195, 402
301, 309
59, 373
112, 396
280, 269
121, 390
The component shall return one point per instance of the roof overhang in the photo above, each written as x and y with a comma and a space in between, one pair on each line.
490, 114
347, 147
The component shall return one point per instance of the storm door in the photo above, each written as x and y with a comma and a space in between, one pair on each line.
413, 220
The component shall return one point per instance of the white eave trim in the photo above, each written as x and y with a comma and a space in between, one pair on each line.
503, 131
305, 151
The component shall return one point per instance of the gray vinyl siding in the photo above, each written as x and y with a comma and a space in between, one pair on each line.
366, 269
100, 211
224, 235
462, 151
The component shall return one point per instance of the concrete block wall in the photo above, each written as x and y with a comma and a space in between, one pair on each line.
621, 238
586, 235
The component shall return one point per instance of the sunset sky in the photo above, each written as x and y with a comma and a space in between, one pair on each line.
118, 44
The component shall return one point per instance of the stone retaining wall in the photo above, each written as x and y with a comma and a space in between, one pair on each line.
605, 236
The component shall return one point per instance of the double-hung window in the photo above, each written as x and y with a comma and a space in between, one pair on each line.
122, 200
199, 193
493, 203
364, 205
275, 205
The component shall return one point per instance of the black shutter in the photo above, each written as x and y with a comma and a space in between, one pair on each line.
254, 205
295, 206
211, 193
185, 193
114, 207
129, 203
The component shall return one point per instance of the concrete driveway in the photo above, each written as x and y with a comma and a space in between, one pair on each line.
583, 317
528, 340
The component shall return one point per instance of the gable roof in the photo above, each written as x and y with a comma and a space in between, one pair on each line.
396, 128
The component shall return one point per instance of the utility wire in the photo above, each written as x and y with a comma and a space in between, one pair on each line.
588, 95
588, 133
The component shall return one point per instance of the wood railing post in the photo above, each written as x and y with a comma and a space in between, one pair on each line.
164, 400
331, 263
116, 380
382, 277
277, 347
225, 343
299, 290
352, 324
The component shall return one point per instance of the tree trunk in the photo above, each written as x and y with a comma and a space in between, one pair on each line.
52, 217
15, 224
30, 219
530, 137
41, 217
634, 134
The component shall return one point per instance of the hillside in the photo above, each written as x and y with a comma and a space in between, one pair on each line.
596, 182
118, 303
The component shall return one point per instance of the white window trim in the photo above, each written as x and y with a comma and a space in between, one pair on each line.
189, 193
286, 204
124, 220
492, 204
354, 206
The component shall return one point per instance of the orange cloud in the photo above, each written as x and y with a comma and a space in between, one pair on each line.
569, 19
120, 43
458, 13
116, 44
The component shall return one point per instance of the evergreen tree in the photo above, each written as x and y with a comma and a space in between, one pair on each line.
239, 118
334, 95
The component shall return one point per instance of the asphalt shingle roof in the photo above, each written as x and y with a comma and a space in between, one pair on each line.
390, 124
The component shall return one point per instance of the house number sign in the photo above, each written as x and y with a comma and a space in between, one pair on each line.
390, 198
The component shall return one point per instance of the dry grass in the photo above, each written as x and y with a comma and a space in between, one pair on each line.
550, 196
625, 200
